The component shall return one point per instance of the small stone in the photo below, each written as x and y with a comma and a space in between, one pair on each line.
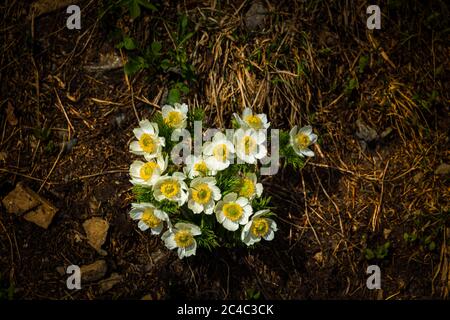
108, 284
418, 177
365, 132
386, 132
443, 169
61, 270
42, 215
255, 17
20, 200
94, 271
318, 257
96, 230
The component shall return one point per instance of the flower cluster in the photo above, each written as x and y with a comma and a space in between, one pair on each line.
208, 200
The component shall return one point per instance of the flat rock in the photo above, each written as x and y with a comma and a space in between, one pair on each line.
20, 200
255, 18
42, 215
364, 132
443, 169
108, 284
94, 271
96, 231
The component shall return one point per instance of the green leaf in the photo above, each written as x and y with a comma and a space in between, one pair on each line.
369, 254
156, 48
135, 10
183, 23
134, 65
129, 43
174, 96
165, 64
147, 5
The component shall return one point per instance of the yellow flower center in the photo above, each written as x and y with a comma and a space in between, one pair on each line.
302, 140
253, 121
201, 167
260, 227
170, 188
247, 188
202, 193
173, 119
184, 238
220, 152
249, 145
232, 211
147, 169
148, 143
149, 218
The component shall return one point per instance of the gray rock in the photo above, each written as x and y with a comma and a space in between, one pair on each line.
108, 284
255, 18
96, 231
443, 169
364, 132
94, 271
20, 200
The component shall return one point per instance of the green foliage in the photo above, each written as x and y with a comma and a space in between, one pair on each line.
164, 130
380, 252
363, 61
176, 91
351, 85
127, 43
287, 152
252, 294
207, 239
134, 7
261, 203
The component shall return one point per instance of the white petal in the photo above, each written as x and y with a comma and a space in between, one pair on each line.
259, 189
306, 130
307, 152
269, 236
230, 225
142, 225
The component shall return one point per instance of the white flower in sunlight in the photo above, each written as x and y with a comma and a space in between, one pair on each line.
232, 211
218, 152
196, 166
258, 227
301, 139
146, 173
249, 145
175, 116
149, 217
171, 188
249, 187
149, 144
203, 194
250, 120
182, 237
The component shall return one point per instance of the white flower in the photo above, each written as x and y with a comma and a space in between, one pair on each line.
250, 120
149, 217
172, 188
182, 237
202, 194
249, 187
258, 227
301, 139
232, 211
146, 173
175, 117
249, 145
149, 144
218, 152
196, 166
